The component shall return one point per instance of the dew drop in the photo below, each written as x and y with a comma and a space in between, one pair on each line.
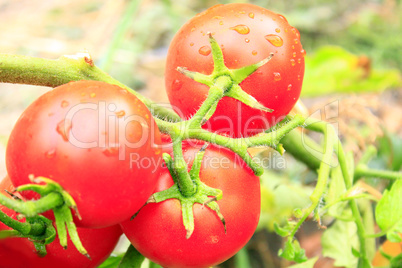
274, 39
303, 52
298, 77
191, 44
64, 104
123, 91
242, 12
247, 40
299, 60
282, 17
221, 22
218, 17
241, 29
293, 62
193, 29
251, 15
254, 52
277, 30
64, 128
205, 50
120, 114
289, 87
177, 84
293, 46
294, 54
296, 41
111, 151
277, 76
93, 95
51, 153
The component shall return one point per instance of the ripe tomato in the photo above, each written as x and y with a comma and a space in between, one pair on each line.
89, 137
158, 232
20, 252
246, 34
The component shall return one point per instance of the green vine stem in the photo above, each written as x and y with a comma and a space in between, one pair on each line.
19, 69
322, 127
53, 197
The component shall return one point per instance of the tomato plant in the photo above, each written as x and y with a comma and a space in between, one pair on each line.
88, 136
19, 252
158, 232
246, 34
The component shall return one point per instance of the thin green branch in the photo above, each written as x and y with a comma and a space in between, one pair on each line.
19, 69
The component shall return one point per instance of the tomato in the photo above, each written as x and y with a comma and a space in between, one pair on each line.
390, 248
20, 252
158, 232
246, 34
89, 137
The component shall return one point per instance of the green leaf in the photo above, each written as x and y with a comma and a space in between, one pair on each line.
394, 237
333, 69
396, 262
388, 212
338, 242
292, 251
308, 264
111, 262
132, 258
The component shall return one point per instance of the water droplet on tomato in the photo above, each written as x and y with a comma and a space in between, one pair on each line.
64, 128
251, 15
282, 17
293, 62
191, 44
298, 77
93, 95
254, 52
51, 153
120, 114
123, 91
277, 76
205, 50
277, 30
218, 17
289, 87
242, 12
274, 39
303, 52
294, 54
111, 151
177, 84
296, 41
193, 29
221, 22
241, 29
293, 46
299, 60
247, 40
64, 104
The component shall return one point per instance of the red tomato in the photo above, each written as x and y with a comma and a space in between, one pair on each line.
20, 253
247, 34
89, 137
158, 232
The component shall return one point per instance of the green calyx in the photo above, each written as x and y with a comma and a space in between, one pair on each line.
53, 197
203, 194
236, 76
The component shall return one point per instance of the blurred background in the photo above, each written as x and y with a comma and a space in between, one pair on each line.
353, 77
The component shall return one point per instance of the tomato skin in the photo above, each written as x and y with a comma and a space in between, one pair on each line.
276, 85
158, 232
87, 136
20, 253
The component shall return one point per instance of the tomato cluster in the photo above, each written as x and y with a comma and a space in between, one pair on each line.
102, 145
